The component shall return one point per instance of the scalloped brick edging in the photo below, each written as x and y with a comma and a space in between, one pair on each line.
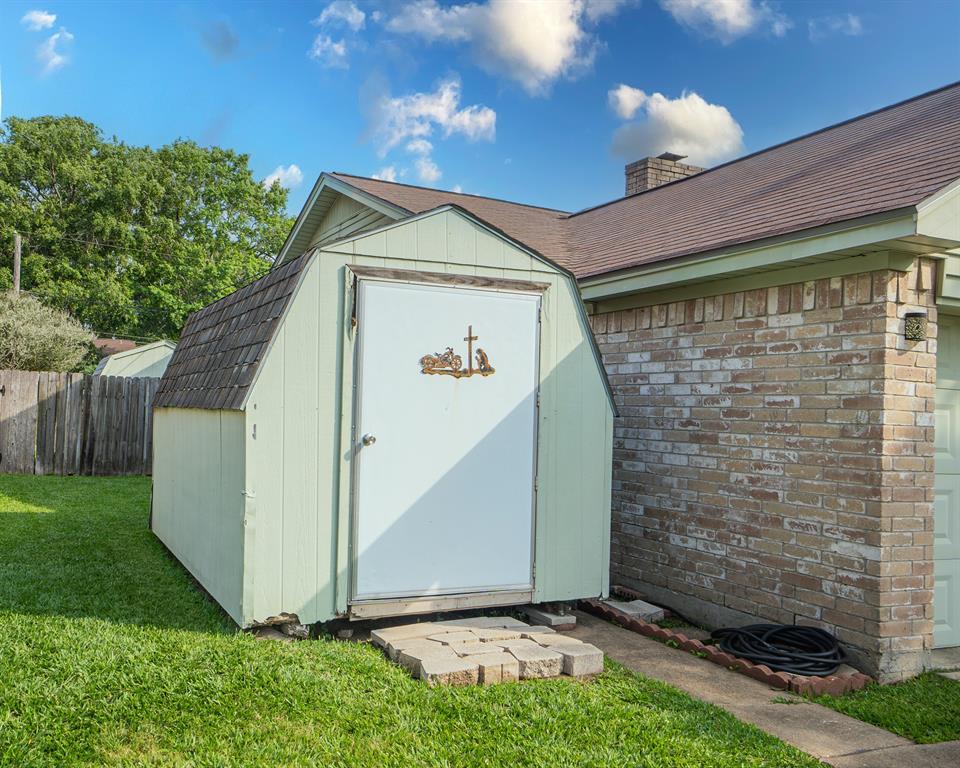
833, 685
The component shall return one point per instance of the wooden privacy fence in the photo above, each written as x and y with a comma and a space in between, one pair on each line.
74, 424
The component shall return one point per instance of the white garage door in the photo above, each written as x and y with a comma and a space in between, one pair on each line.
447, 406
946, 545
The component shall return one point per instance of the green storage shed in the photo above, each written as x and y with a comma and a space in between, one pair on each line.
404, 419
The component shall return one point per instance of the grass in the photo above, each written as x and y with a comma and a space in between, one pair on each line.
925, 709
672, 622
110, 656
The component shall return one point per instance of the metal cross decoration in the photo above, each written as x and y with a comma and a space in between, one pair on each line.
470, 338
449, 363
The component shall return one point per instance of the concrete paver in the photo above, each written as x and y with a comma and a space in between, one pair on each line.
580, 660
537, 661
485, 650
639, 609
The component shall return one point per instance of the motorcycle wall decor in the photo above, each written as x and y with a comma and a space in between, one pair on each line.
449, 363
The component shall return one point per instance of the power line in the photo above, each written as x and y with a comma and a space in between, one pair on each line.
125, 336
116, 247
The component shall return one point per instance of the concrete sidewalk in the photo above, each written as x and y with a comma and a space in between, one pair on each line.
827, 735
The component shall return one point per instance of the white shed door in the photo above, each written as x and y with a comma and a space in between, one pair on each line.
444, 485
946, 505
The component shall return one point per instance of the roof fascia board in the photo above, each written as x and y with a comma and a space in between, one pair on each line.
847, 265
774, 252
326, 181
144, 348
465, 214
372, 201
295, 230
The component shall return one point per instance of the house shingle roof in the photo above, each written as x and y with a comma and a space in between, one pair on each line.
222, 344
890, 159
887, 160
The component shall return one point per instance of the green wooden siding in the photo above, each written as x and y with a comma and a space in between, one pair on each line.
948, 290
346, 217
299, 463
198, 504
149, 361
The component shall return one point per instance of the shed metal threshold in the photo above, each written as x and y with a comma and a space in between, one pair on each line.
370, 609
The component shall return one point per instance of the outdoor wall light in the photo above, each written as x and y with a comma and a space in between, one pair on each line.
915, 326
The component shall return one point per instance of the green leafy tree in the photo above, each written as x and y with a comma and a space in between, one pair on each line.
127, 239
37, 338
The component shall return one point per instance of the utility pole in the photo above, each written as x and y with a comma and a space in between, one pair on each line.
16, 263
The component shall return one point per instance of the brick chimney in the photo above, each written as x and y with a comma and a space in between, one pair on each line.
653, 171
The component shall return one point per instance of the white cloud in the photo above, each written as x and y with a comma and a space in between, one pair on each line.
844, 24
341, 12
37, 20
399, 119
420, 147
533, 42
412, 121
289, 176
457, 188
625, 100
427, 171
597, 10
706, 133
329, 52
387, 173
48, 54
727, 20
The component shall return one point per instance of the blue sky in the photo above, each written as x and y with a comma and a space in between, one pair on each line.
541, 102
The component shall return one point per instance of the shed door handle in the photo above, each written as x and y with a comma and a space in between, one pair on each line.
368, 439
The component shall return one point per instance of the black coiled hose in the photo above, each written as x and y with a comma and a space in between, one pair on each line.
784, 648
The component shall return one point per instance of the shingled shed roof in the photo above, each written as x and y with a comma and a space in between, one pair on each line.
538, 228
884, 161
222, 344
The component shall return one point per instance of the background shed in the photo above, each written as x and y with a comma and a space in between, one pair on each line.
145, 362
259, 432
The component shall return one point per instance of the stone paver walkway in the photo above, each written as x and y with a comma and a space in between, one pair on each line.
485, 650
842, 741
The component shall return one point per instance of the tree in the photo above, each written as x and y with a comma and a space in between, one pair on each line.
36, 338
130, 240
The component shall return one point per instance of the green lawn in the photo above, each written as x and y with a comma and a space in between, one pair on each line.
925, 709
109, 656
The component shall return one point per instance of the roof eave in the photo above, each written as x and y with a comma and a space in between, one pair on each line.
144, 348
781, 251
298, 239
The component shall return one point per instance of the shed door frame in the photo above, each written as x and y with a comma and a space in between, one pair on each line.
459, 599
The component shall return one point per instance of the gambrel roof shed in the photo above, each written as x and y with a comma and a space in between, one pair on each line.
336, 438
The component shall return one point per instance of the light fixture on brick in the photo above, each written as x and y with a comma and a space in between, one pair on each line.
915, 326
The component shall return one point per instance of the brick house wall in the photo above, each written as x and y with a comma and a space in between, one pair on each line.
774, 459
